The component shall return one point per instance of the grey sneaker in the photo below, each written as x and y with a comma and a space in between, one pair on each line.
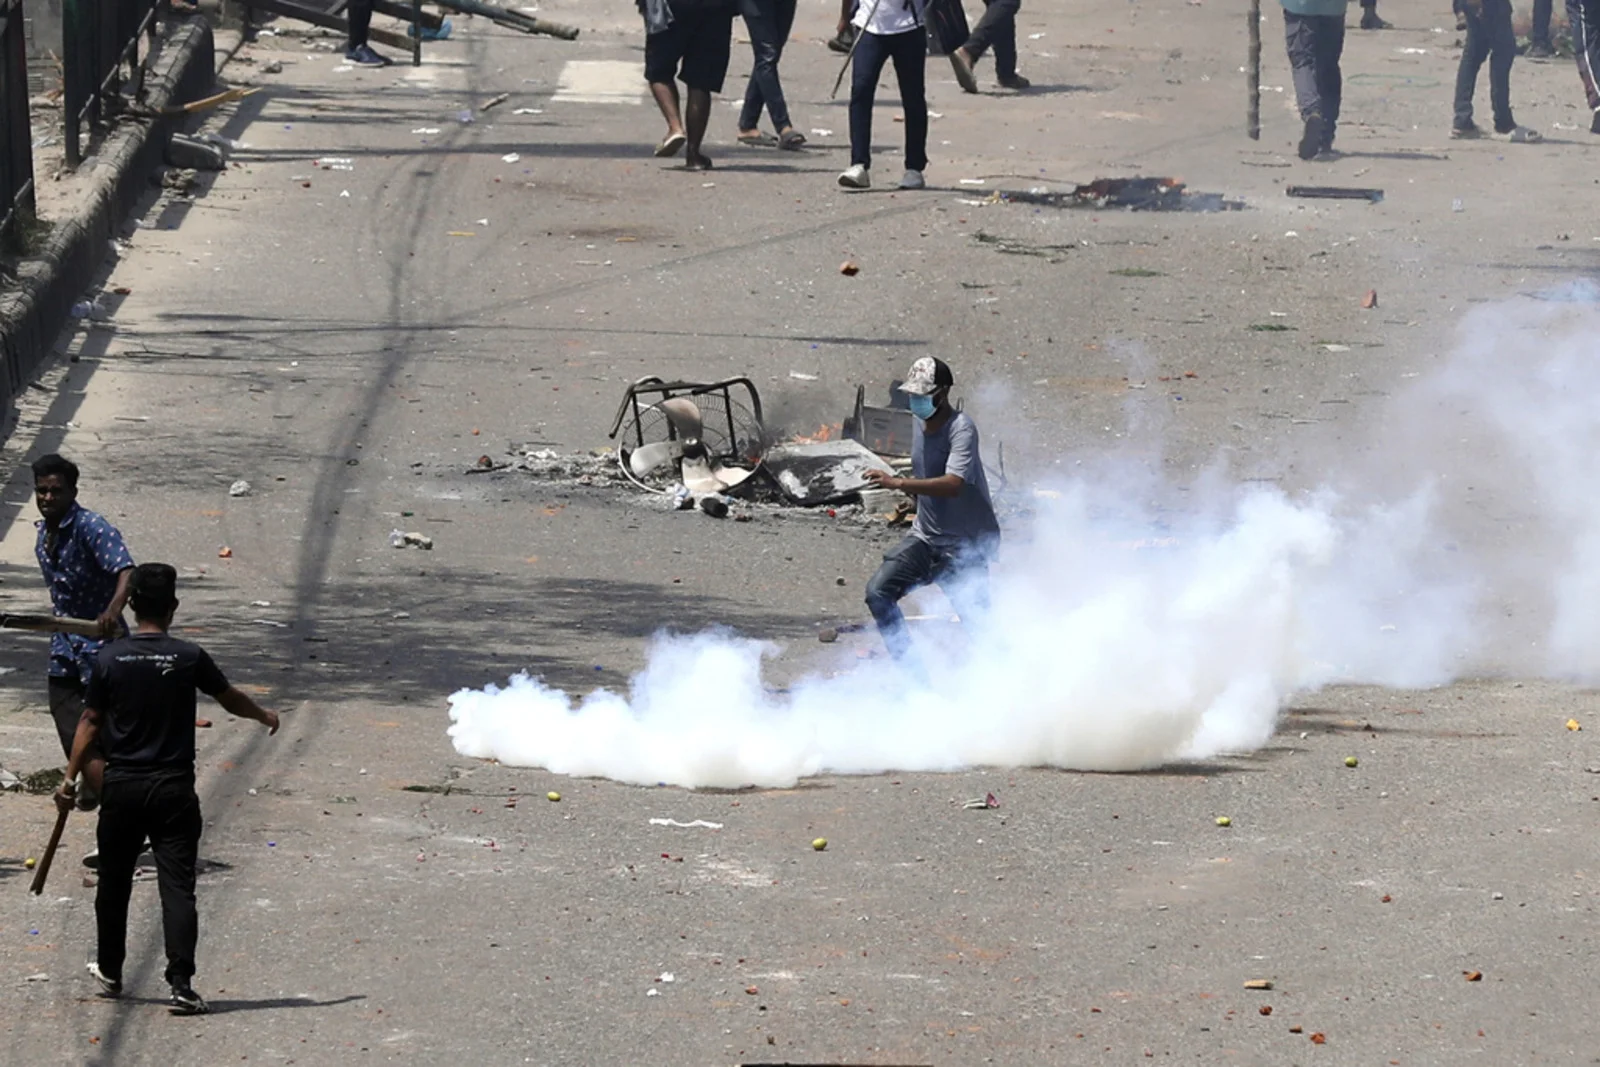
109, 987
912, 179
857, 177
185, 1001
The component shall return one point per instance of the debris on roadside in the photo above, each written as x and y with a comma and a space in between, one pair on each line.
687, 825
1128, 194
1370, 300
988, 800
239, 488
1334, 192
823, 472
191, 153
402, 539
1259, 983
494, 102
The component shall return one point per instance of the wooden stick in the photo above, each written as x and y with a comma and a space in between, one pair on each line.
1253, 73
43, 870
50, 624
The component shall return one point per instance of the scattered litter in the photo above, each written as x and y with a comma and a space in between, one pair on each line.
191, 153
972, 181
334, 163
821, 132
1371, 299
400, 539
989, 800
1457, 205
465, 118
666, 977
529, 111
715, 505
849, 268
344, 68
344, 194
652, 992
485, 223
1412, 51
1472, 976
1572, 724
1337, 348
822, 472
271, 622
224, 552
686, 825
511, 157
495, 101
1259, 983
275, 67
936, 114
1035, 36
802, 376
40, 977
830, 634
1335, 192
1319, 1038
239, 488
426, 131
202, 724
460, 233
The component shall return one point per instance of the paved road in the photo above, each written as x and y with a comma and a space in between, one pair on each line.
352, 355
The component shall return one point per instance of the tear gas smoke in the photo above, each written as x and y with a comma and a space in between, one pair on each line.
1465, 539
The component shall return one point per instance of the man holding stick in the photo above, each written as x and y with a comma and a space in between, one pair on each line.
140, 708
87, 566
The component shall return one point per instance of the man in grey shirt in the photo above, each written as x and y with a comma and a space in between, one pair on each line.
955, 534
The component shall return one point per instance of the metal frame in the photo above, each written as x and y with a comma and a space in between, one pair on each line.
97, 37
16, 155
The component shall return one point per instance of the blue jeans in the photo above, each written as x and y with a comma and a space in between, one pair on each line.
909, 51
962, 574
769, 23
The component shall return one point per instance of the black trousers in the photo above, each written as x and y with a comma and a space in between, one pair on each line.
1489, 36
1584, 16
66, 708
909, 53
359, 15
997, 29
1315, 43
164, 810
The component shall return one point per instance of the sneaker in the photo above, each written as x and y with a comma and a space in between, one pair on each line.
1540, 50
1469, 132
91, 859
1312, 139
963, 68
1371, 21
857, 177
1594, 123
1521, 135
1017, 82
362, 55
842, 41
109, 987
185, 1001
912, 179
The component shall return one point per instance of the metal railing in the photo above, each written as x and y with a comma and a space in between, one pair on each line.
97, 38
16, 153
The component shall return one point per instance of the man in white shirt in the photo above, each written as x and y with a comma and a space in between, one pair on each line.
890, 30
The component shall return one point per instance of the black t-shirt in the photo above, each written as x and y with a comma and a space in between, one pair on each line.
143, 686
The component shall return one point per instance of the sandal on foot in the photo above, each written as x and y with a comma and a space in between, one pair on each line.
670, 144
1468, 132
1523, 135
790, 140
758, 139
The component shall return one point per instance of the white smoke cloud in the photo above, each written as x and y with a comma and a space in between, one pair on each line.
1464, 539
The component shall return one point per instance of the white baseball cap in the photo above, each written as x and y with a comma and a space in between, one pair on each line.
928, 375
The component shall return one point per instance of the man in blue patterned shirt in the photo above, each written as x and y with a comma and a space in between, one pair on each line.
87, 567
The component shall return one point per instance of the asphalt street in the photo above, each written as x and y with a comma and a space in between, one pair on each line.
390, 282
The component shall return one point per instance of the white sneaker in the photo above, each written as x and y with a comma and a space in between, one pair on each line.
857, 177
912, 179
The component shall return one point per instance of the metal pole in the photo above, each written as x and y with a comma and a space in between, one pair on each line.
416, 33
1253, 73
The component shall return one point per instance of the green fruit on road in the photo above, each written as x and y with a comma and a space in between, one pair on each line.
1223, 820
820, 843
1350, 761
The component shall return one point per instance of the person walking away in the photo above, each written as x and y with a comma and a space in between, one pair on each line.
1540, 43
140, 710
1583, 16
1489, 36
997, 29
955, 534
1370, 19
768, 23
1314, 34
889, 30
86, 566
688, 40
358, 15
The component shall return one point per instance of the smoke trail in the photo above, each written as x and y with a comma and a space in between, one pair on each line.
1465, 538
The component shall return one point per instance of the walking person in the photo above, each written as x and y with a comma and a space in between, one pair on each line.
87, 567
1314, 34
1583, 16
691, 41
1370, 19
888, 31
140, 710
955, 534
1489, 36
1540, 44
768, 23
997, 29
358, 15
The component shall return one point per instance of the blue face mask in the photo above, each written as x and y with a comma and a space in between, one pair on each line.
923, 407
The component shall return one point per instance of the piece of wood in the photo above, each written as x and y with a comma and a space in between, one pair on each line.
50, 624
1253, 74
42, 871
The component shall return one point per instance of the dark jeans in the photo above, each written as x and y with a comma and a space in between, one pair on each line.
165, 810
998, 30
1489, 36
1540, 33
66, 708
909, 51
1584, 17
1315, 44
913, 563
769, 23
359, 15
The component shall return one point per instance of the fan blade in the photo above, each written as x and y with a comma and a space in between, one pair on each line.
731, 476
647, 458
684, 416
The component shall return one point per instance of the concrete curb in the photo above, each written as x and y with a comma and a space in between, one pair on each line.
50, 281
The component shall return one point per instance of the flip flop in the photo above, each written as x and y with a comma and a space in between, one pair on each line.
670, 144
1523, 135
791, 141
1465, 133
758, 139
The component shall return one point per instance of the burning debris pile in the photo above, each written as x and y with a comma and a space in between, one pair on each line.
1127, 194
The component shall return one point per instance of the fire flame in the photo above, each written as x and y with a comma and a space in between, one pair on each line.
825, 432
